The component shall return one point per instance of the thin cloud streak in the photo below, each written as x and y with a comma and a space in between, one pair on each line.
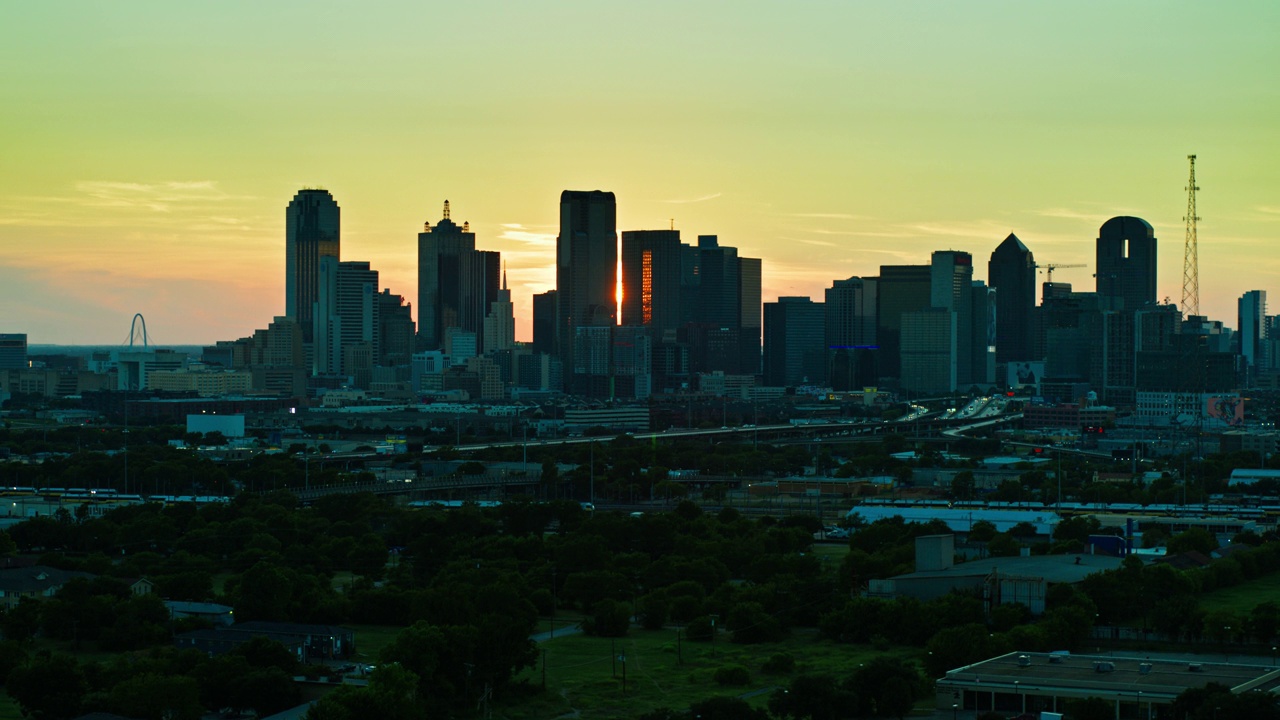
689, 201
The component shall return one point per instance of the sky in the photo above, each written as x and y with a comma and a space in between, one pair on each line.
148, 149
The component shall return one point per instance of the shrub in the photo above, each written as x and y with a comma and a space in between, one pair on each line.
735, 675
779, 664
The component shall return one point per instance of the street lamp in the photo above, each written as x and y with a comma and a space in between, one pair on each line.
1018, 692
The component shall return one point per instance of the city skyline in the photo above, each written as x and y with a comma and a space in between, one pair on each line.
152, 148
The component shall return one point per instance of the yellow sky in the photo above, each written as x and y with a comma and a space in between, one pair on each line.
148, 149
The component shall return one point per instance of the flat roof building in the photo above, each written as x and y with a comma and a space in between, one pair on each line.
1140, 687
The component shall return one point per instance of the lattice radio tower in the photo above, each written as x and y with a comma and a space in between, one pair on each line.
1190, 253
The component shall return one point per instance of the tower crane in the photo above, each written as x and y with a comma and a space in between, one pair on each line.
1050, 267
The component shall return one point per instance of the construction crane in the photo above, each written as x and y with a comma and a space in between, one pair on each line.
1050, 267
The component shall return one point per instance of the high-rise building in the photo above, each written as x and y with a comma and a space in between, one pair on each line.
851, 333
456, 282
900, 289
586, 268
1011, 272
1252, 312
651, 279
1126, 263
794, 335
983, 334
13, 351
951, 289
929, 349
395, 330
312, 231
544, 322
347, 314
749, 298
500, 324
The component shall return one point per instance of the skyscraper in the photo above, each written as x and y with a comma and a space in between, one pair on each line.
951, 282
651, 279
1126, 263
586, 268
500, 324
544, 322
901, 289
851, 332
1012, 273
456, 282
1252, 311
347, 315
794, 329
312, 231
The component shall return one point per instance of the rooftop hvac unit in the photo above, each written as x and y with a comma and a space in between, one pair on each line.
1104, 667
1144, 668
1024, 661
1195, 667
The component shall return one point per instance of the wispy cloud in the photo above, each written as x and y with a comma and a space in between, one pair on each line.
699, 199
1268, 209
829, 216
820, 243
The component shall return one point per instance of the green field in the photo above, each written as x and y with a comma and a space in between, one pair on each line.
1242, 598
585, 674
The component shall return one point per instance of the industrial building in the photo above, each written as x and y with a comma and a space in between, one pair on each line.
1140, 687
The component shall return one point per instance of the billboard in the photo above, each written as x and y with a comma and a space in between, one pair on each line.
1226, 408
1025, 374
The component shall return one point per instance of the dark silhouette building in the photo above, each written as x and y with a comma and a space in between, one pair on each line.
851, 333
1126, 267
456, 282
544, 322
651, 279
312, 231
1012, 273
794, 338
900, 289
586, 268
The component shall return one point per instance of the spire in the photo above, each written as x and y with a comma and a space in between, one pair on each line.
504, 275
446, 209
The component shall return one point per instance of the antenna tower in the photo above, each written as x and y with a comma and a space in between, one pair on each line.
1190, 254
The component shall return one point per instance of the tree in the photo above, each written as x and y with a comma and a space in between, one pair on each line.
151, 696
812, 697
1197, 539
48, 686
609, 618
963, 485
726, 708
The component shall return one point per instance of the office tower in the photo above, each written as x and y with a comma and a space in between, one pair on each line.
749, 298
901, 289
984, 334
396, 330
456, 282
851, 333
1252, 313
1126, 263
500, 325
632, 362
312, 223
586, 268
1011, 272
651, 279
544, 322
346, 314
950, 288
930, 339
719, 282
13, 351
592, 373
794, 330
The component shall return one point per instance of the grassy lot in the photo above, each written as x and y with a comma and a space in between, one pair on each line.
583, 675
370, 639
1242, 598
